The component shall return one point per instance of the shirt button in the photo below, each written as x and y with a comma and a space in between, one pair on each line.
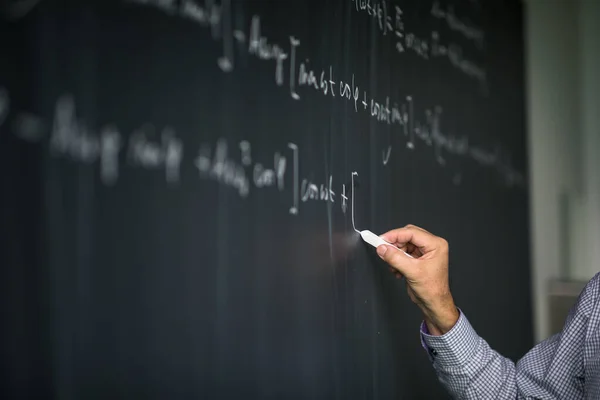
433, 352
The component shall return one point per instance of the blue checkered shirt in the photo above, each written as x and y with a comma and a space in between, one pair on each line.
564, 366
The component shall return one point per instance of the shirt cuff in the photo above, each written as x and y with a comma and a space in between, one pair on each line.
454, 348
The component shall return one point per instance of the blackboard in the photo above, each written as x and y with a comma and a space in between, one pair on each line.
178, 196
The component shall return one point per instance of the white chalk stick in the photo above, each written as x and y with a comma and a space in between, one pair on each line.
376, 241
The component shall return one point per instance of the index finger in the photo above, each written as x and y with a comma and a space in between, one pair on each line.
425, 241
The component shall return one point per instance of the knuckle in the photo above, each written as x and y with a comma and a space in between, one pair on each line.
443, 244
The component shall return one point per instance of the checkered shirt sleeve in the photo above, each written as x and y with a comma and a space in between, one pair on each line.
469, 368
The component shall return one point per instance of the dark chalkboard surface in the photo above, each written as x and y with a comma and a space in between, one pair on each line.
177, 193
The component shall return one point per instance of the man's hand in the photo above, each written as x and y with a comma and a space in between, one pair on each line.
426, 274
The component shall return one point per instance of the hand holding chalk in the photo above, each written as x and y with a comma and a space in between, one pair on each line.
376, 241
427, 282
426, 275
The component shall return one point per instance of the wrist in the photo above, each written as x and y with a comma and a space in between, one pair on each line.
441, 319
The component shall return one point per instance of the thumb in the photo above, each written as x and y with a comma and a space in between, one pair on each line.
395, 258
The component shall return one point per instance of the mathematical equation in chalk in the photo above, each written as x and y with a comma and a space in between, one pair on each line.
237, 170
151, 149
302, 79
390, 21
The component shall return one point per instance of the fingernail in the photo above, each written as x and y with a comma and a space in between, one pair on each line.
381, 250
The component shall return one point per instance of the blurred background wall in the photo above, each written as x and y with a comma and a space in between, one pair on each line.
563, 72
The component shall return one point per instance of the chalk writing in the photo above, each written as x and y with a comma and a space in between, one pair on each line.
293, 44
308, 77
153, 149
208, 16
311, 191
296, 184
419, 124
260, 47
245, 149
418, 45
454, 54
266, 177
71, 137
226, 61
344, 199
302, 77
464, 26
353, 190
151, 155
219, 167
388, 112
390, 20
409, 124
385, 155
